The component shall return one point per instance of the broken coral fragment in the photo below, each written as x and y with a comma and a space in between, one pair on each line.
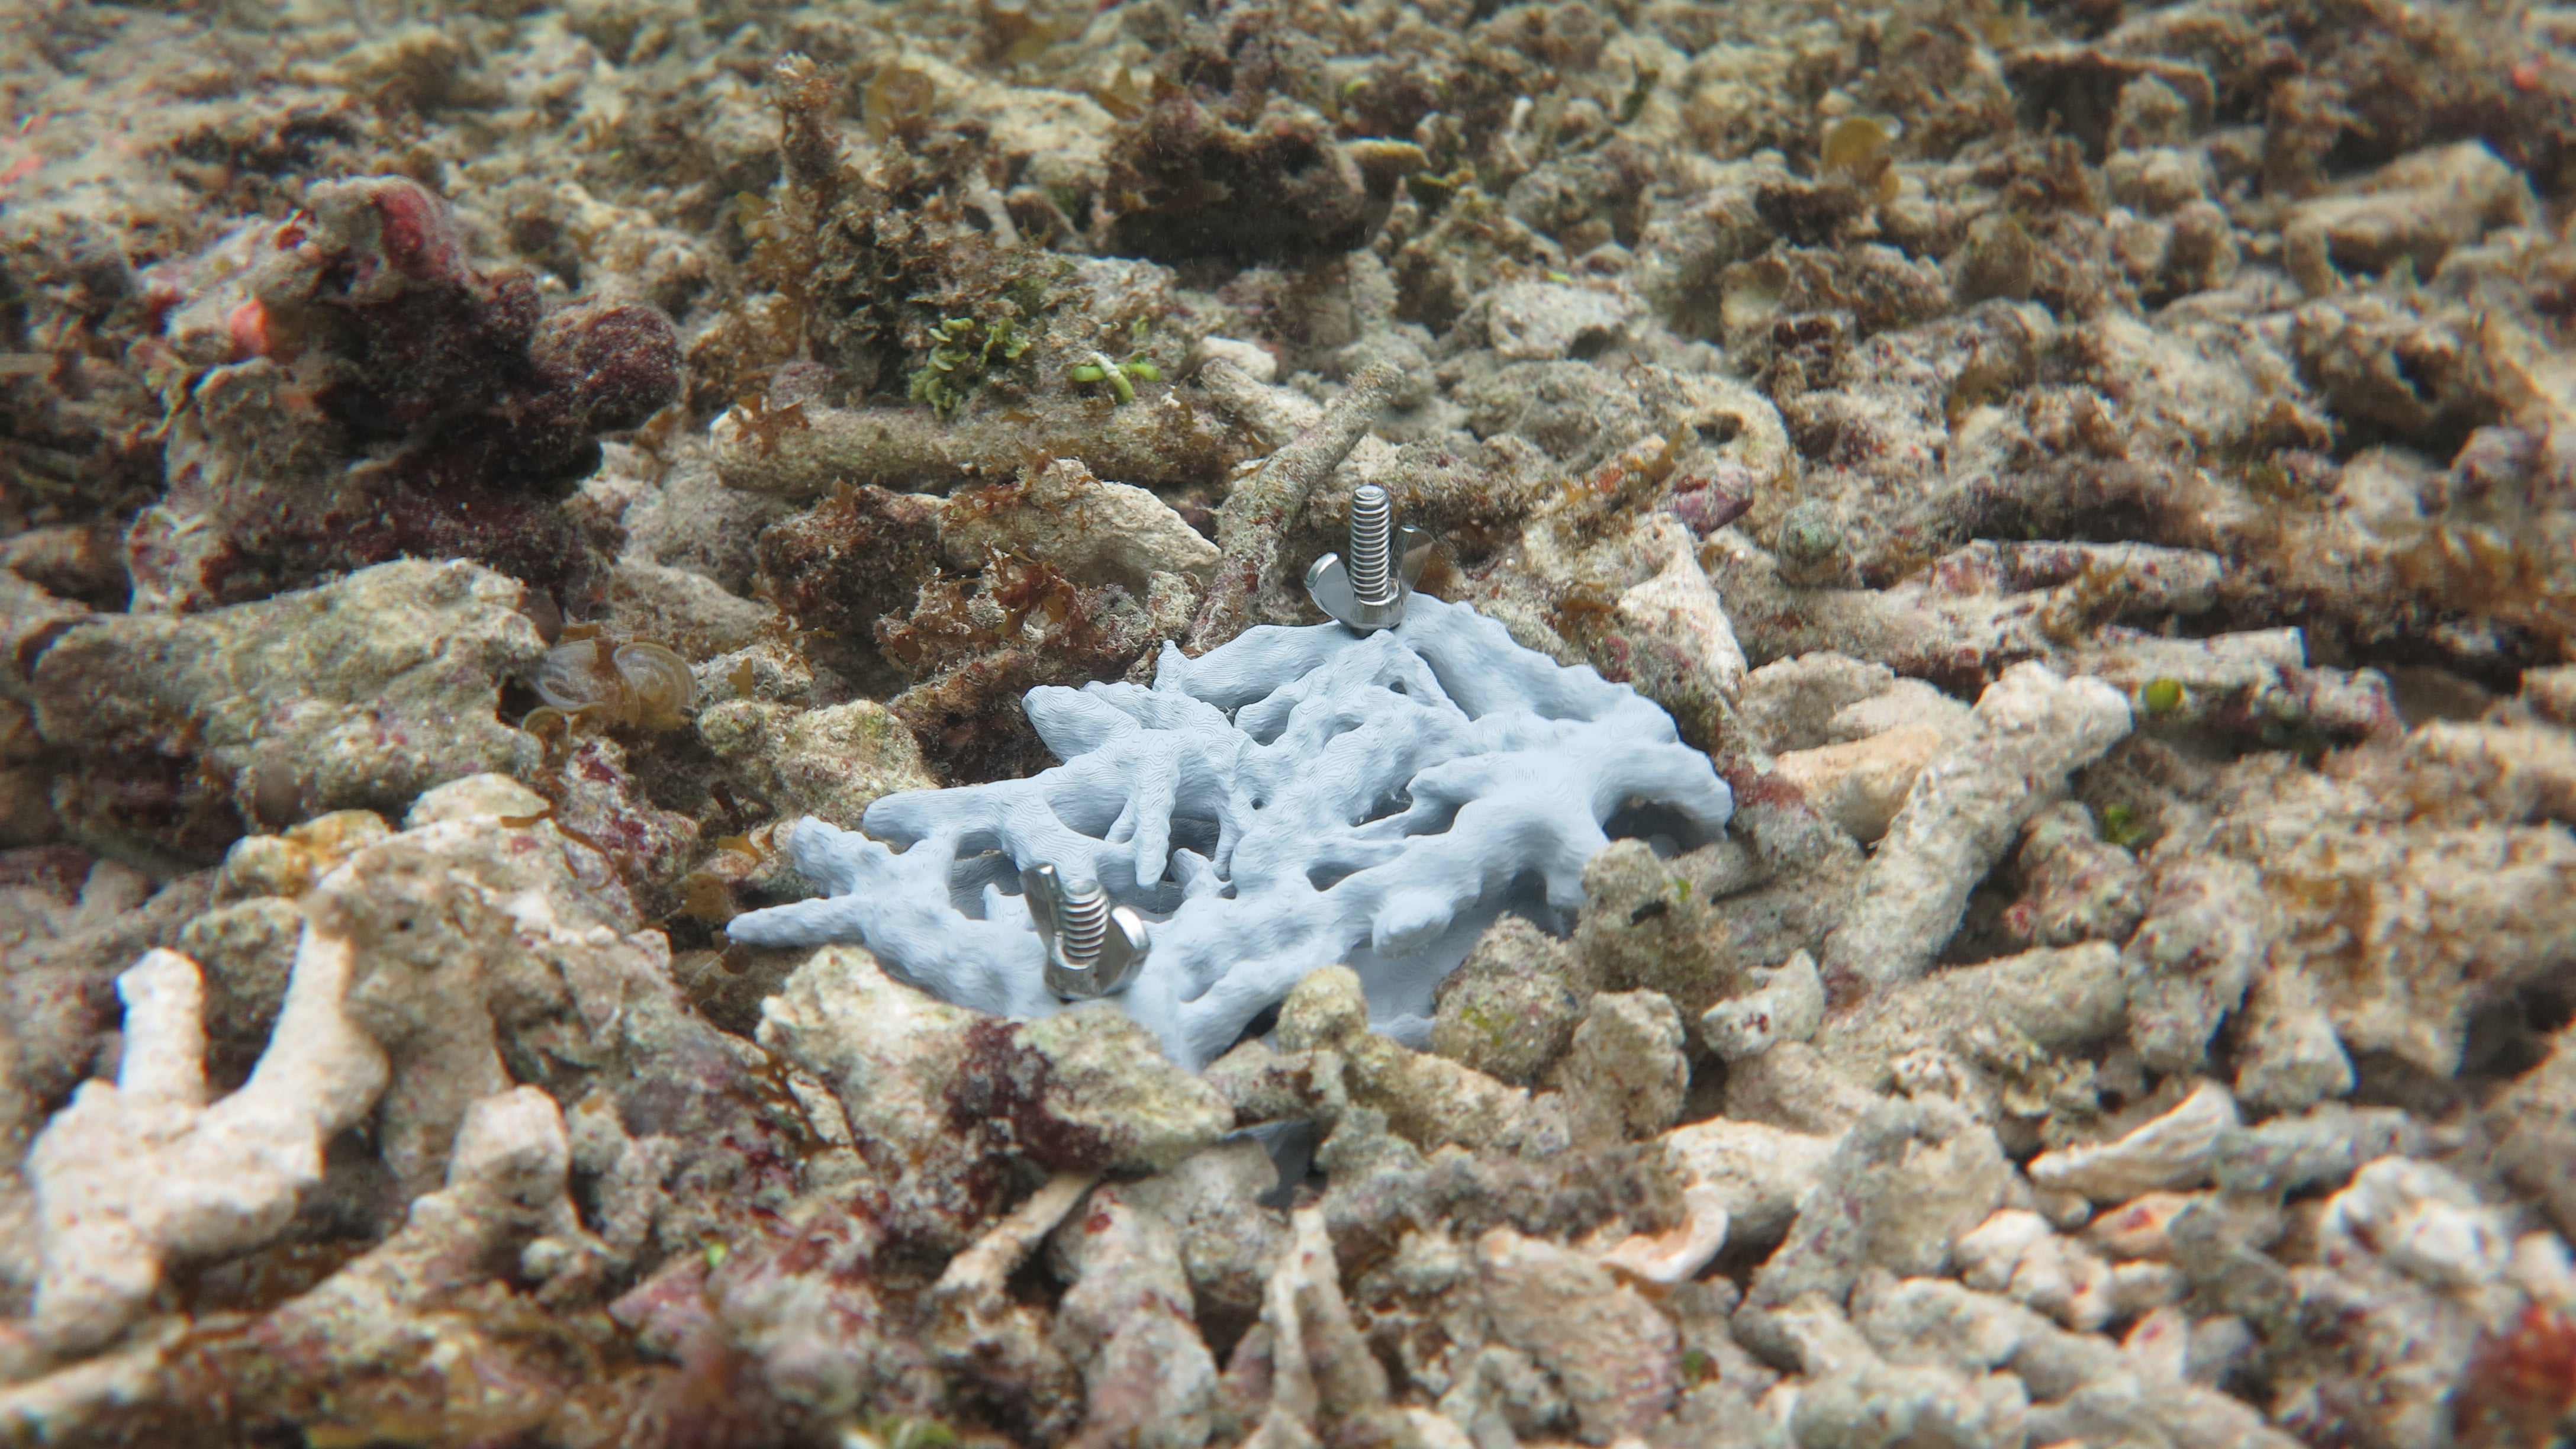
1615, 1356
1678, 1252
1305, 1366
2017, 1254
2421, 1220
2030, 730
2403, 928
1094, 531
1125, 1325
416, 1316
1862, 784
1313, 796
131, 1175
1759, 1174
1907, 1180
2173, 1150
1786, 1003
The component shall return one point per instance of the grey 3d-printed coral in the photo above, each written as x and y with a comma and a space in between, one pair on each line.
1295, 798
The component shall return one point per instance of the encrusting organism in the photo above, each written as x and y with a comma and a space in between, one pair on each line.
348, 388
1295, 798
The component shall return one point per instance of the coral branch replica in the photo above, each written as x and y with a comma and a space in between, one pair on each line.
1296, 798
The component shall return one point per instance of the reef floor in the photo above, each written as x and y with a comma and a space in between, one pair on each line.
1994, 866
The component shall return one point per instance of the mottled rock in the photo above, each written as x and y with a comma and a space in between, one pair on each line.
1273, 185
1510, 1009
2291, 1055
1426, 1100
355, 695
1695, 927
2320, 1147
358, 391
1625, 1075
853, 558
2076, 886
2414, 210
832, 763
1095, 532
2535, 1125
246, 950
1545, 321
686, 611
979, 1330
1614, 1355
1083, 1090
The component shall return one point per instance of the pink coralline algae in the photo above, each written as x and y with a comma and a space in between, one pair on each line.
349, 389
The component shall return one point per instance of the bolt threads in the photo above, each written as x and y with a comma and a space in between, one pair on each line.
1372, 559
1081, 922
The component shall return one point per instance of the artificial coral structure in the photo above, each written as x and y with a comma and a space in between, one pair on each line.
1295, 798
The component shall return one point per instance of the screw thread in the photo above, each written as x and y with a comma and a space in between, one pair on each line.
1081, 922
1372, 569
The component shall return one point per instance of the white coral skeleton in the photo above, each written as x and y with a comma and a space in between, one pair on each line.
1295, 798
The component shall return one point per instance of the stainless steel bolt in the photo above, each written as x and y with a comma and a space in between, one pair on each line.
1093, 948
1368, 592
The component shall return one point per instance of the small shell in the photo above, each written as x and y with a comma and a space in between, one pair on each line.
1855, 143
663, 689
581, 674
898, 98
639, 684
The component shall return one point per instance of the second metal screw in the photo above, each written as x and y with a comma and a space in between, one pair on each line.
1372, 530
1367, 593
1092, 947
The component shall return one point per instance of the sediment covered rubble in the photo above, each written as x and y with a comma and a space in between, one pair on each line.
2093, 482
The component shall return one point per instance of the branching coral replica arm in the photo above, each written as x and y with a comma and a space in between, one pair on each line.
1295, 798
